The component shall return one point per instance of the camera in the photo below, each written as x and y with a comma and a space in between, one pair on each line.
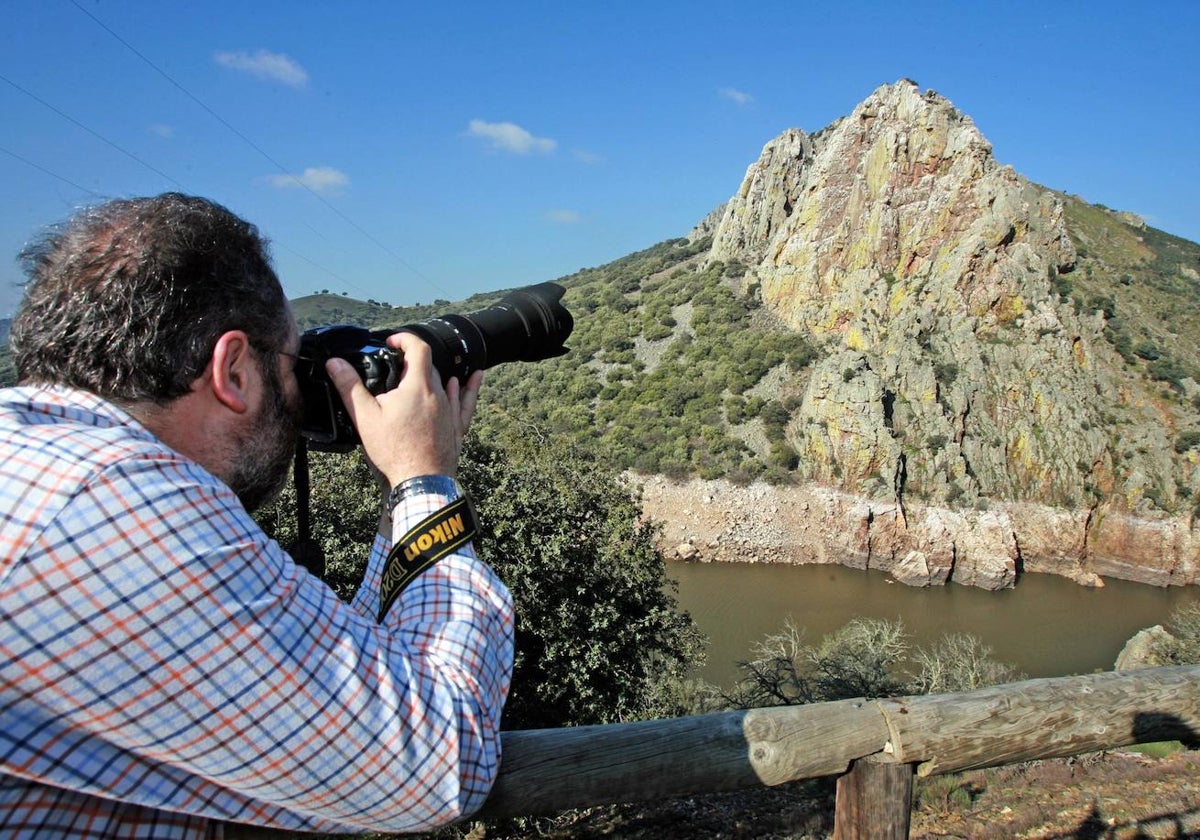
528, 325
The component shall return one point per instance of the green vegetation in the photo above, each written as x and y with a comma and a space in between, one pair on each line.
1187, 440
599, 636
8, 373
1145, 283
662, 359
865, 658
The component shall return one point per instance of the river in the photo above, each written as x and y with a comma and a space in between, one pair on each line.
1046, 626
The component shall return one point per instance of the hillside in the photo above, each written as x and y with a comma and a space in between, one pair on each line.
965, 374
1054, 363
922, 361
324, 309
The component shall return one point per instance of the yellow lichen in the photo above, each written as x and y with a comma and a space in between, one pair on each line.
816, 446
1019, 451
879, 165
1077, 349
1009, 308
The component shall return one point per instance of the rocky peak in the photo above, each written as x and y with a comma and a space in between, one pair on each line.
895, 191
952, 372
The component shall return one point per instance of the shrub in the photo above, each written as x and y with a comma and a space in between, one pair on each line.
599, 634
1182, 646
598, 629
945, 372
1186, 441
855, 661
1147, 350
865, 658
1167, 370
958, 662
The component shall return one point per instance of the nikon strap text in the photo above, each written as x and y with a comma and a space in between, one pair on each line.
432, 539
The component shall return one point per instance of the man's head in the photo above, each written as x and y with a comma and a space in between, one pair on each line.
127, 299
170, 307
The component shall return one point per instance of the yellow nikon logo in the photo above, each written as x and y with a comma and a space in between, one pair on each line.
448, 528
442, 533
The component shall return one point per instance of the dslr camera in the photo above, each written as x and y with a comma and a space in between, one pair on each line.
525, 325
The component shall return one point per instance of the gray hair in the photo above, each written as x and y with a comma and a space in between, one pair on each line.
127, 299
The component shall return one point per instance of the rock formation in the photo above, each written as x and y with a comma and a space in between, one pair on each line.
926, 545
959, 423
1142, 650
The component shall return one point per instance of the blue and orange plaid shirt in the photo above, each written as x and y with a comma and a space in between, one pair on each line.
165, 667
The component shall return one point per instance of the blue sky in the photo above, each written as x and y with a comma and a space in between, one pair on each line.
407, 152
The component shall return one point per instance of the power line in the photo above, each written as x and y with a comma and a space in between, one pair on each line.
318, 266
90, 131
257, 148
46, 171
95, 194
137, 159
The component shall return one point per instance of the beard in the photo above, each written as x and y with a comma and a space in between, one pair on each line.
266, 450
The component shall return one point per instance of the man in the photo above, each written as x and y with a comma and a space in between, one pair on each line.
164, 666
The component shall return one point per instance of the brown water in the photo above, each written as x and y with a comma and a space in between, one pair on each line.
1046, 626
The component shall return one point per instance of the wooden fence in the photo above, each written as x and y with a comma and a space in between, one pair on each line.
874, 747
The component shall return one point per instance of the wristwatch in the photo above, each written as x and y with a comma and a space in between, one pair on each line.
440, 485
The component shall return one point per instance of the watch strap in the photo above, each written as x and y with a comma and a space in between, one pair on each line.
438, 485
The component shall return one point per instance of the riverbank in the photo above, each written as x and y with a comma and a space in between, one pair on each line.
918, 545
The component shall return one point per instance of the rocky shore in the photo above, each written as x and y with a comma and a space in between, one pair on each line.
919, 545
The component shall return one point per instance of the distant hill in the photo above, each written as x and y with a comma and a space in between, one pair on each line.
328, 309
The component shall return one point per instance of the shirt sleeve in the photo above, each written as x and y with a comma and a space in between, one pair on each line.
170, 655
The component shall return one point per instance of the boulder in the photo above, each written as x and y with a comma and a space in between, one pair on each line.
1139, 651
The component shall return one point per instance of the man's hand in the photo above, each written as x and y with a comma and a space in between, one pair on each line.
416, 428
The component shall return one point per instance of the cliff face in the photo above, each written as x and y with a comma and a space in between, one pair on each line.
954, 376
925, 545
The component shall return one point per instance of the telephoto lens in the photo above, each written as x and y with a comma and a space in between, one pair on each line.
526, 325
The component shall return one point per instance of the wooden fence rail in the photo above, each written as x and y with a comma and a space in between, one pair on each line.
872, 745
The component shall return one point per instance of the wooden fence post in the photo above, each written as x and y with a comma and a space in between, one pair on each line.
874, 801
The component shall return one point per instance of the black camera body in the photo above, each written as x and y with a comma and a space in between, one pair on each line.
325, 422
527, 324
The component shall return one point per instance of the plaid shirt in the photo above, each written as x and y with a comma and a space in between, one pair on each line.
164, 666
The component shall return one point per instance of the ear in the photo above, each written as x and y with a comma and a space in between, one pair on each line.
235, 371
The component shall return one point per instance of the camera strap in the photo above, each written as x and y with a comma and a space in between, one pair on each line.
435, 536
306, 551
